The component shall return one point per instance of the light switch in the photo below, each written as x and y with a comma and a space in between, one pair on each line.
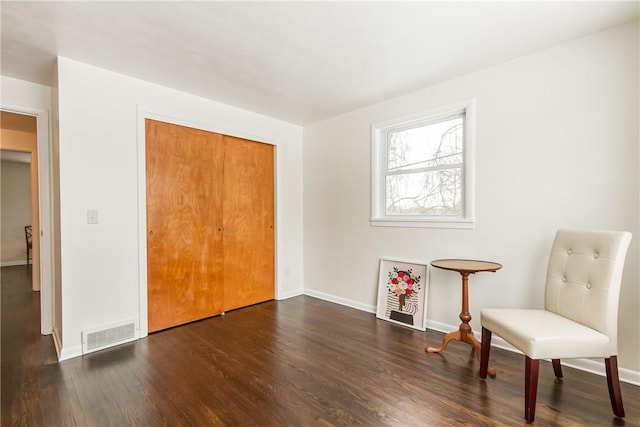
92, 216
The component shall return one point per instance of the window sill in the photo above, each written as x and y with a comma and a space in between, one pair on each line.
456, 223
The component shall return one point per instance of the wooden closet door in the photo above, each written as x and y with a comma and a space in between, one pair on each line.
248, 212
184, 174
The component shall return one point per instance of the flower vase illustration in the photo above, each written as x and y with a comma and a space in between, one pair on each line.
404, 285
401, 301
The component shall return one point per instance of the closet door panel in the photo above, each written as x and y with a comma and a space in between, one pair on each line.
184, 174
248, 212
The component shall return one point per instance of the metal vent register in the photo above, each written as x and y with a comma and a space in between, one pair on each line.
99, 338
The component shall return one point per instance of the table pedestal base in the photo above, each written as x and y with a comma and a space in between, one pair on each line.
464, 336
457, 336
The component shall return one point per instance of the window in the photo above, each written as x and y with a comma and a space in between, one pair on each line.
422, 169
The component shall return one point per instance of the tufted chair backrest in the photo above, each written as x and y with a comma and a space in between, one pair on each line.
584, 275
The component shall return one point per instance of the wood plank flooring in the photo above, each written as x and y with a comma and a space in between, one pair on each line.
298, 362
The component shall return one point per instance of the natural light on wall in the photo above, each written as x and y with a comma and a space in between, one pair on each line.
422, 169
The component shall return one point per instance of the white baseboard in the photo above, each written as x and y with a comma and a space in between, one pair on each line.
587, 365
342, 301
70, 353
290, 294
64, 353
597, 367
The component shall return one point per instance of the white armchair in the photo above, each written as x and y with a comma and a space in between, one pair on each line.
580, 319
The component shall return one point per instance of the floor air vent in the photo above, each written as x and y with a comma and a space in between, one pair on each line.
99, 338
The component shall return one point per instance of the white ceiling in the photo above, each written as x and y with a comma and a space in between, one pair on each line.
297, 61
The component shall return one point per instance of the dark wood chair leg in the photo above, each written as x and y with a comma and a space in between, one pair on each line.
613, 382
485, 347
531, 369
557, 368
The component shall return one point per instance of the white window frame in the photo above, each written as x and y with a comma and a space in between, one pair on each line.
379, 132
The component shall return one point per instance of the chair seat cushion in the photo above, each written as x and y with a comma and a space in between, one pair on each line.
543, 334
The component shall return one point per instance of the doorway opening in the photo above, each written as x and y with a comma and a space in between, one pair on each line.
25, 151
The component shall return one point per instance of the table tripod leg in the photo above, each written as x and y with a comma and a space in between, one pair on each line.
471, 339
450, 336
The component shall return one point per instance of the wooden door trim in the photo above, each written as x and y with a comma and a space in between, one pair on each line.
144, 113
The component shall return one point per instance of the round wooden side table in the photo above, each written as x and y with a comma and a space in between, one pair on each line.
464, 333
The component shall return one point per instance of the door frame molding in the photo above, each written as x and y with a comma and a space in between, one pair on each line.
44, 244
154, 114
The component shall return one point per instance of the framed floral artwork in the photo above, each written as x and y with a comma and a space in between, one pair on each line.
402, 293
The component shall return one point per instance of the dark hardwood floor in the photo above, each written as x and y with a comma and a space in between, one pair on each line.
298, 362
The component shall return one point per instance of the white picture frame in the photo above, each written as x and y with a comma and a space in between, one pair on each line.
402, 293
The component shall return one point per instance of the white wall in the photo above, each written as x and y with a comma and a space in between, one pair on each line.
98, 155
24, 95
15, 201
557, 135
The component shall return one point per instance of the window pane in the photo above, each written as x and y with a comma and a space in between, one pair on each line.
425, 193
426, 146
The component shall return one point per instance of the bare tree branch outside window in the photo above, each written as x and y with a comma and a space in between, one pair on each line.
424, 169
